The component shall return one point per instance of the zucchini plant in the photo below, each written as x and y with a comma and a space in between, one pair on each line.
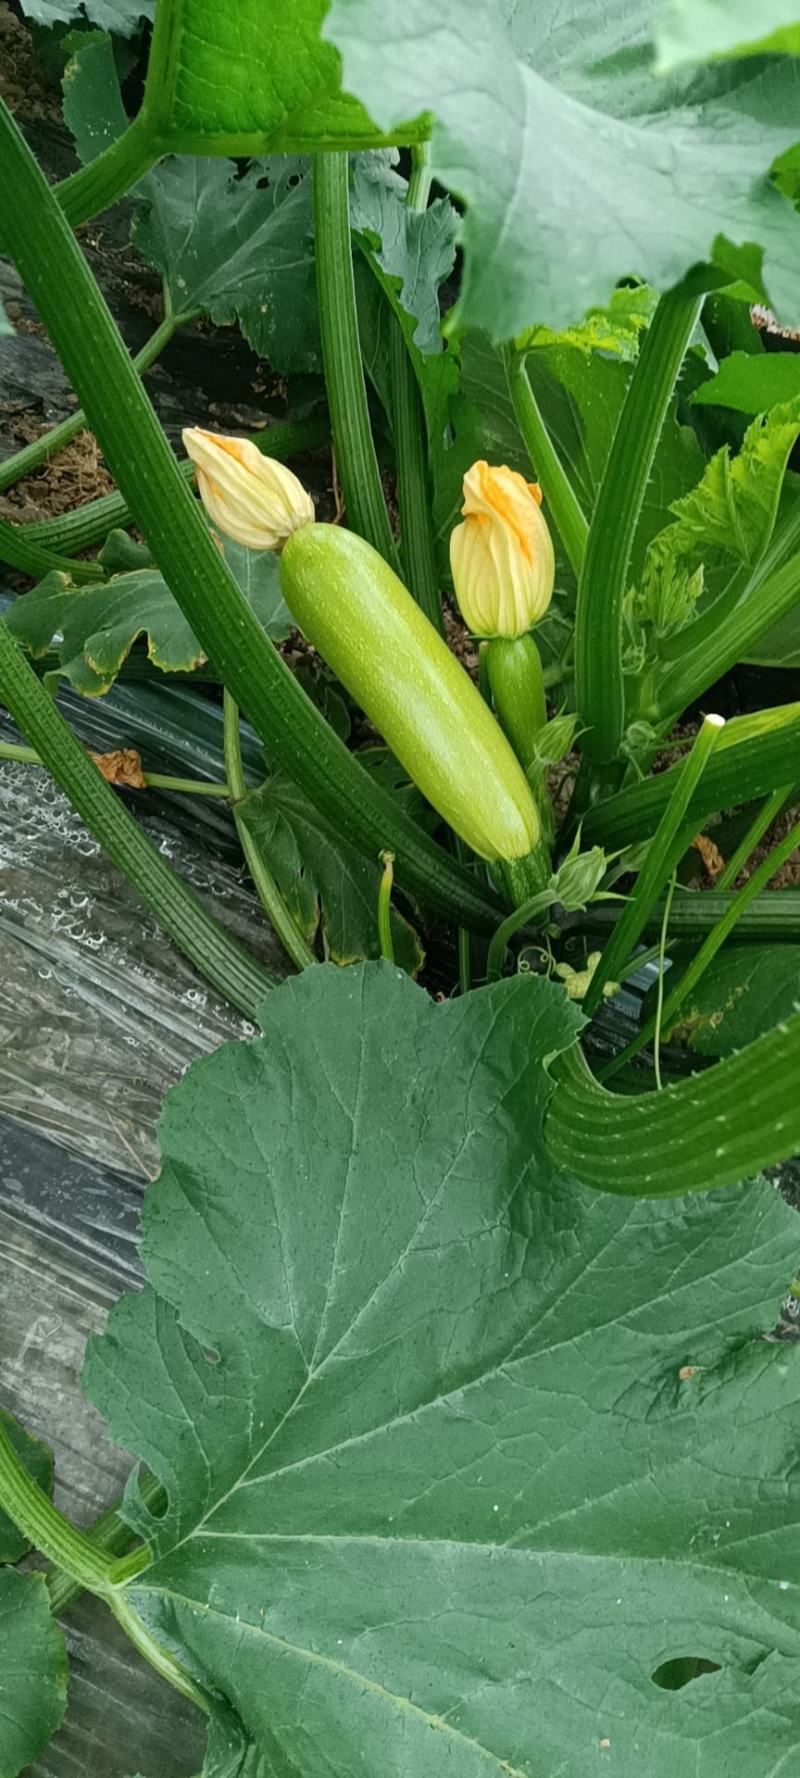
458, 1445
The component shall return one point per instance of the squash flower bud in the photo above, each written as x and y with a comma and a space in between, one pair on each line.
502, 556
252, 498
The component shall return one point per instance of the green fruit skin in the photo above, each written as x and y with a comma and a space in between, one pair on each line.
352, 608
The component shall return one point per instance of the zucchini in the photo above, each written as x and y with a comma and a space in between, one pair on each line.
351, 606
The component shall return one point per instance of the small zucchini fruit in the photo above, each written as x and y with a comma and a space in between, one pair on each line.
354, 610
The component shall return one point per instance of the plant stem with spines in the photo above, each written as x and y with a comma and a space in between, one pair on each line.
563, 505
356, 461
602, 584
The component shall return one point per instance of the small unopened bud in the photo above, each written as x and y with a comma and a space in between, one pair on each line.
579, 876
252, 498
502, 555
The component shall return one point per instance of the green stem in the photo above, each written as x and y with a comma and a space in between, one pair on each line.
157, 1657
269, 895
122, 419
223, 962
562, 501
710, 656
111, 1535
599, 678
698, 965
90, 524
662, 857
417, 541
768, 813
41, 449
385, 907
153, 780
356, 461
417, 546
28, 557
40, 1521
419, 185
108, 177
713, 1130
501, 939
772, 918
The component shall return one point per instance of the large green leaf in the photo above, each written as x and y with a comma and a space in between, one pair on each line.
696, 30
93, 629
325, 881
281, 88
462, 1458
33, 1671
575, 163
239, 248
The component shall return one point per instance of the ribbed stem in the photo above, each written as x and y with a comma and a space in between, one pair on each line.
41, 449
121, 417
417, 541
112, 1536
662, 857
46, 1528
28, 557
417, 546
599, 680
269, 895
108, 177
771, 918
563, 505
356, 461
223, 962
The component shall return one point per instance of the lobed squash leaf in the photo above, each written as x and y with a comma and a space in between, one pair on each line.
464, 1460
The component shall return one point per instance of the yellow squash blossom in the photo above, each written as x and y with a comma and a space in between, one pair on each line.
502, 555
252, 498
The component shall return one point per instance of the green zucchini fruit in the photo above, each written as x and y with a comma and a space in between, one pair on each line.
354, 610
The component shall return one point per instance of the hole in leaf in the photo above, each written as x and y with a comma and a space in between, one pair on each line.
294, 179
210, 1356
673, 1675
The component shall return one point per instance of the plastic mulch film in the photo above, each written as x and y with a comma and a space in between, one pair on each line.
67, 1250
99, 1013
